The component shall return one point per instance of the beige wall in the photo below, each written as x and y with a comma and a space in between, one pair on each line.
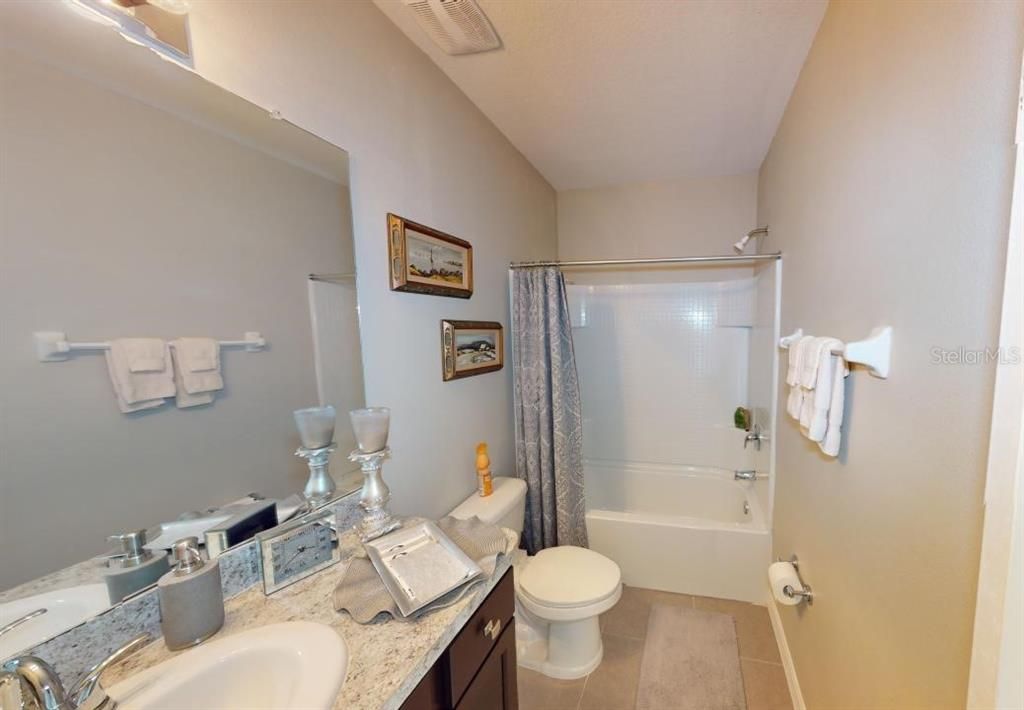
119, 219
418, 148
887, 186
656, 219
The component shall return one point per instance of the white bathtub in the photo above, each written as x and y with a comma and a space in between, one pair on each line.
685, 529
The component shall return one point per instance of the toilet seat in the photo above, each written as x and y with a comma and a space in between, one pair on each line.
569, 583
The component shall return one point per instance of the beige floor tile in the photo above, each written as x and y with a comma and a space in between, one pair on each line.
613, 685
538, 692
753, 627
765, 685
628, 617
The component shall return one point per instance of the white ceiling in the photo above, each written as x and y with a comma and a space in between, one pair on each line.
608, 92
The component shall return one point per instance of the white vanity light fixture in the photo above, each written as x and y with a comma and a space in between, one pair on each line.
159, 25
371, 426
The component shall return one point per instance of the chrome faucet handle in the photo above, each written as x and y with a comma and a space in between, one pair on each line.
87, 693
33, 683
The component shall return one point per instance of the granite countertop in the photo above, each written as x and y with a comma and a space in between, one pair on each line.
387, 659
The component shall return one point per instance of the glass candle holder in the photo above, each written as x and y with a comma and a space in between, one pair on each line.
316, 426
370, 426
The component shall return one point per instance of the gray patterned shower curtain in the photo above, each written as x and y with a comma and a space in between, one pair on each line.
548, 415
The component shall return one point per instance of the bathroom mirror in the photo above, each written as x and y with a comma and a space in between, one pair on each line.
140, 200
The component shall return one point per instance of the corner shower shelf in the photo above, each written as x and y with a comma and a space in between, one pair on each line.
874, 352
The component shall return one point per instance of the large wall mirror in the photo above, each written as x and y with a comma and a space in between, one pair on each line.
140, 201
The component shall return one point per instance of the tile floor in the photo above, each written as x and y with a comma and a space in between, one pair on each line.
613, 685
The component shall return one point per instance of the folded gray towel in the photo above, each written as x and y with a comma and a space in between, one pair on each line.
362, 593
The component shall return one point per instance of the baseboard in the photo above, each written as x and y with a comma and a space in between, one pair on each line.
787, 657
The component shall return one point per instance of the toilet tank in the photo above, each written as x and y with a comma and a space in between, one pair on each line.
505, 507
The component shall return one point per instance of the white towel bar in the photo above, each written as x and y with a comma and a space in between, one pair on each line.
53, 345
874, 352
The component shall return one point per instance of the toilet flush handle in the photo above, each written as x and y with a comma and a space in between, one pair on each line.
493, 629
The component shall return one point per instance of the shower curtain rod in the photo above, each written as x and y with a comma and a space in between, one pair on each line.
640, 262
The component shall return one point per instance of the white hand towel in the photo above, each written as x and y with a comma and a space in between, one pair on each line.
184, 398
809, 379
833, 436
144, 389
827, 362
144, 354
796, 395
197, 365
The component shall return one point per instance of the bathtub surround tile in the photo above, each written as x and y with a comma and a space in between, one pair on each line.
765, 685
538, 692
614, 684
754, 628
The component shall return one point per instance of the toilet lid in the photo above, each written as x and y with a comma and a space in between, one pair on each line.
569, 576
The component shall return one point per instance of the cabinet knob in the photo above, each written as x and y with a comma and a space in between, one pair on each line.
493, 629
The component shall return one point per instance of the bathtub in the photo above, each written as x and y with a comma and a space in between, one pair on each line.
685, 529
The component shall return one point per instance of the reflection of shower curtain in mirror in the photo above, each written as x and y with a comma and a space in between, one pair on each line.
339, 368
548, 415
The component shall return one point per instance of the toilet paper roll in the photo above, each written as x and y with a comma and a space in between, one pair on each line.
781, 574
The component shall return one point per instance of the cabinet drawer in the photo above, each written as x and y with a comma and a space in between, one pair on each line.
480, 634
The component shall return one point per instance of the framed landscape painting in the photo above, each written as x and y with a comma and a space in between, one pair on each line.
470, 347
425, 260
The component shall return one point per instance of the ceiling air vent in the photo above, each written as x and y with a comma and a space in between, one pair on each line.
456, 26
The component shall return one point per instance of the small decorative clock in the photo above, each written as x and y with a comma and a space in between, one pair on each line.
297, 549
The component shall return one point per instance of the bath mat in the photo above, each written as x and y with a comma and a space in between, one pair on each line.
691, 661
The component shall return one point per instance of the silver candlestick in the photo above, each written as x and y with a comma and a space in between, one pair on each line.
320, 487
377, 519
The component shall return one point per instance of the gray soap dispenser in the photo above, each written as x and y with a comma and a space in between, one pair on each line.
191, 598
134, 567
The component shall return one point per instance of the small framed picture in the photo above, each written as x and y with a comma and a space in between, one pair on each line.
424, 260
470, 347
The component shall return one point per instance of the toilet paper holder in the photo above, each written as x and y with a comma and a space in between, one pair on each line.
805, 594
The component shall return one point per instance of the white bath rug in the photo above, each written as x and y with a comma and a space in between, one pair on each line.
691, 661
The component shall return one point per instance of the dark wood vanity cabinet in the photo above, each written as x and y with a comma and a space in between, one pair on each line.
478, 669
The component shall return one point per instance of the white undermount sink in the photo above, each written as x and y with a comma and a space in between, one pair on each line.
65, 608
296, 664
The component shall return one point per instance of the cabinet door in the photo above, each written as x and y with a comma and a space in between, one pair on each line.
494, 687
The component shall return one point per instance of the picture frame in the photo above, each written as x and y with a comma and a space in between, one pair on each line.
426, 260
470, 347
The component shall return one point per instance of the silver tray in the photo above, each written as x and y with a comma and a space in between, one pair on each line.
419, 564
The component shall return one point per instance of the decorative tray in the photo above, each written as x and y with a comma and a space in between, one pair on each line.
419, 564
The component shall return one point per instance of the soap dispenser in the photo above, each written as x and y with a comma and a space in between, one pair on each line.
134, 567
191, 597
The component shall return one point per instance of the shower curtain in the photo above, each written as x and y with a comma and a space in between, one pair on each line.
548, 416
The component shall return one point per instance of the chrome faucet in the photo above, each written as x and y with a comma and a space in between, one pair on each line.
756, 436
30, 683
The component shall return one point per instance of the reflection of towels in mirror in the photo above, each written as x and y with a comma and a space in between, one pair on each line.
145, 386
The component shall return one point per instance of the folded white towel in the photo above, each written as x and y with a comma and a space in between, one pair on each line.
828, 361
184, 399
797, 351
197, 365
833, 435
144, 354
810, 361
145, 388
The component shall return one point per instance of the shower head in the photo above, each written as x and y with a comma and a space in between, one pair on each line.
739, 246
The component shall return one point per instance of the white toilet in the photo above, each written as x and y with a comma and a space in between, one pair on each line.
559, 591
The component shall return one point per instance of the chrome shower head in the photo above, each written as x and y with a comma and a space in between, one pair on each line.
739, 246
